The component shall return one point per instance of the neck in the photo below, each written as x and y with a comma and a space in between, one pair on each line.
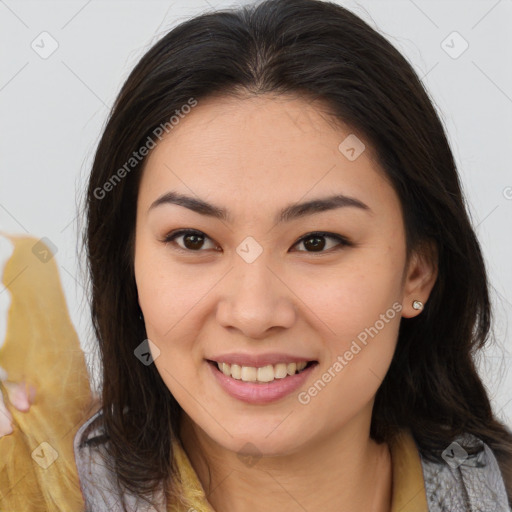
347, 471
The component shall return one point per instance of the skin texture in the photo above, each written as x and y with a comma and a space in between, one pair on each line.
254, 156
21, 395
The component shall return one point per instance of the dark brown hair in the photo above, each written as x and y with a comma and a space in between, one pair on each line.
318, 50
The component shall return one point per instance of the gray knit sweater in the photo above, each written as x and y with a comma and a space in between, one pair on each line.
462, 484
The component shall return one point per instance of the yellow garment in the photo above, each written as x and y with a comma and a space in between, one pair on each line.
408, 494
42, 346
408, 485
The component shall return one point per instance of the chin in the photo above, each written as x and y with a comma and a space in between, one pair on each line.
258, 440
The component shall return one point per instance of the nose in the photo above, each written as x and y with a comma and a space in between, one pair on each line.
256, 299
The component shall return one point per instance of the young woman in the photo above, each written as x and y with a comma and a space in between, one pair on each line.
286, 287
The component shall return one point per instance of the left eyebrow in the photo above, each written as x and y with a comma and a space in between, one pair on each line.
294, 211
287, 214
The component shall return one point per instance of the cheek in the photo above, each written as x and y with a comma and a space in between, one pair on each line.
359, 312
360, 321
354, 295
168, 292
169, 297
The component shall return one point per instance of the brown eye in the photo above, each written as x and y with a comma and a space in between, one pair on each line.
316, 242
191, 240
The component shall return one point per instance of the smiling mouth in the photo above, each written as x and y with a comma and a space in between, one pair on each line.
262, 374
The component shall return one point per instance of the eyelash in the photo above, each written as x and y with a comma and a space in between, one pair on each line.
342, 241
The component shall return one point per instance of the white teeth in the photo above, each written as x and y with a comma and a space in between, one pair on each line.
262, 374
280, 371
265, 374
301, 365
236, 371
249, 373
291, 368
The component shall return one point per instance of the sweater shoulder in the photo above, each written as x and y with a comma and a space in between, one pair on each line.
463, 480
96, 471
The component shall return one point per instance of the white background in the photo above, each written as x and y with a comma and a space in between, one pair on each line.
53, 111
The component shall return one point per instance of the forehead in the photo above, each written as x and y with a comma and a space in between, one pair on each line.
266, 146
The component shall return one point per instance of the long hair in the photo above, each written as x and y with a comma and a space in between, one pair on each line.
318, 50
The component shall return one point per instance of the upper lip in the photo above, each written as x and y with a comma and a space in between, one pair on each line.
257, 360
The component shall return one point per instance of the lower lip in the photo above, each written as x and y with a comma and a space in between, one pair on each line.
261, 393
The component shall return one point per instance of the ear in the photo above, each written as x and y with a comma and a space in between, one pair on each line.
419, 277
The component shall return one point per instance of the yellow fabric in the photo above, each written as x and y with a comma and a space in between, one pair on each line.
192, 495
42, 346
408, 489
408, 485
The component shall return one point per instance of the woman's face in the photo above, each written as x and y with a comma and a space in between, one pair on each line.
255, 288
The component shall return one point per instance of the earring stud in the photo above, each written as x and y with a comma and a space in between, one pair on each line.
418, 305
